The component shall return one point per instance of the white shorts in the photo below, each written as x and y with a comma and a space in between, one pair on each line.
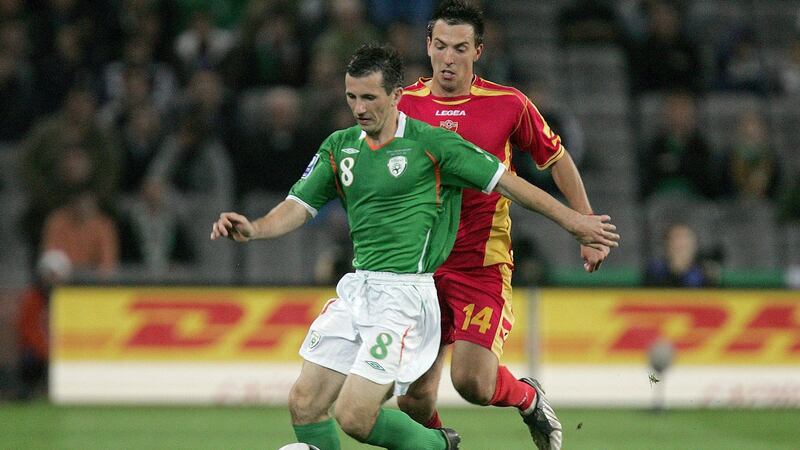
383, 326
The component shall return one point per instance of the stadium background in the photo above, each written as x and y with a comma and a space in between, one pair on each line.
264, 87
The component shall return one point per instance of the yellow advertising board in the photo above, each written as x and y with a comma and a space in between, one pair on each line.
198, 324
706, 327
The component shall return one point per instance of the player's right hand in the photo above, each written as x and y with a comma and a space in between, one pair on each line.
596, 231
233, 226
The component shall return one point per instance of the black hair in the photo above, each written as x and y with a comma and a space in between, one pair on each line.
459, 12
371, 58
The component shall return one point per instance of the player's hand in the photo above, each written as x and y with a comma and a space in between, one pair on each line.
593, 257
234, 226
596, 231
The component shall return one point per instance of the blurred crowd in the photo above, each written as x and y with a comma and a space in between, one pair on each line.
118, 114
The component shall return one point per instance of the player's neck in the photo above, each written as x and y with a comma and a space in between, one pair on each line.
386, 133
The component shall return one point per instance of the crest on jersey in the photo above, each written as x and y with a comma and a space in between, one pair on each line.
397, 165
449, 124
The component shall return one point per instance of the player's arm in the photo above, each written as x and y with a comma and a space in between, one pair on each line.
287, 216
594, 231
568, 179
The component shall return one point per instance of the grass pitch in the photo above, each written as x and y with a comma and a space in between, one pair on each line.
44, 426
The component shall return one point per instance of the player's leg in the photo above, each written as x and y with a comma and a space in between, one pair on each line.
328, 350
360, 413
419, 402
483, 317
310, 401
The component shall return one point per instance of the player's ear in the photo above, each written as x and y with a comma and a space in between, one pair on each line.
428, 45
396, 94
478, 52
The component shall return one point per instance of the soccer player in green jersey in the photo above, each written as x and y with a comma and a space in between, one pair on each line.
400, 181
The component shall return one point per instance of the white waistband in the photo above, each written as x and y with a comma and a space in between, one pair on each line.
395, 277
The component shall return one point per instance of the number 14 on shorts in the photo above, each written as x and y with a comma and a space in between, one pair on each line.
482, 320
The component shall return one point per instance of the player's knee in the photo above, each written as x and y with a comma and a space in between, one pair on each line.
353, 422
472, 387
418, 408
302, 406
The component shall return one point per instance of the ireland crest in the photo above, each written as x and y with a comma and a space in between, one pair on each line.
397, 165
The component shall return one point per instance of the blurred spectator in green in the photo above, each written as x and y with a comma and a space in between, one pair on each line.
269, 50
667, 58
678, 161
347, 29
276, 146
751, 168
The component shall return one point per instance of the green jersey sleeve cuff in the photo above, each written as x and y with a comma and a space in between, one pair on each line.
501, 169
311, 210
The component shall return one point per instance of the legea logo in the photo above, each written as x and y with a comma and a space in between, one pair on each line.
450, 112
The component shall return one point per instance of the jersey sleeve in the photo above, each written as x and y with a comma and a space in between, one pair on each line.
317, 186
463, 164
534, 136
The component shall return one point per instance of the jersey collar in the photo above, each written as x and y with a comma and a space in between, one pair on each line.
401, 127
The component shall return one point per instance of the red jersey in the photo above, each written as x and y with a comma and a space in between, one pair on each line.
494, 118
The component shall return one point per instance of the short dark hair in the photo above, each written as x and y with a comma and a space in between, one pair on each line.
371, 58
459, 12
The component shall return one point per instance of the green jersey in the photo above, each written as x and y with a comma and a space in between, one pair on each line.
403, 199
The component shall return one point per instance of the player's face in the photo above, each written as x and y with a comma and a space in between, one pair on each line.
372, 107
453, 52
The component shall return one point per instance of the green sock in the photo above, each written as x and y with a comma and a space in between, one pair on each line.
397, 431
322, 435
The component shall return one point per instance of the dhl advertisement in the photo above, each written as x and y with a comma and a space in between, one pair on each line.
198, 324
705, 327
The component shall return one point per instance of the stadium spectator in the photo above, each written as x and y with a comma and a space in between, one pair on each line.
346, 30
141, 136
268, 52
750, 167
277, 137
18, 96
589, 22
153, 235
563, 122
203, 45
136, 92
207, 97
679, 266
67, 153
741, 65
392, 227
138, 55
789, 68
678, 160
87, 235
477, 273
52, 269
61, 68
497, 65
667, 58
193, 163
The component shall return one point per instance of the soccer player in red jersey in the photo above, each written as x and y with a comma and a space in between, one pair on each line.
474, 284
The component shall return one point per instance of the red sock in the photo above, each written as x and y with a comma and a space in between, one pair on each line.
509, 391
434, 421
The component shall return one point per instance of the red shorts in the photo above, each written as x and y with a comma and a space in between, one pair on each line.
476, 305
